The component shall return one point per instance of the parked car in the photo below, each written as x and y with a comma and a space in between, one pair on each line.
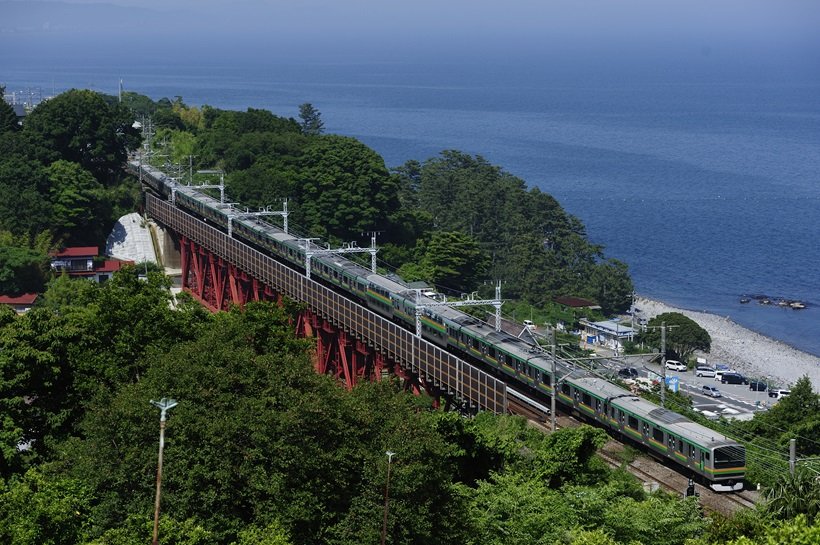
757, 386
779, 394
710, 391
704, 371
733, 378
719, 374
675, 365
628, 372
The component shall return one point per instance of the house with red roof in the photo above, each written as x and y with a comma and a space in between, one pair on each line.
78, 260
83, 262
19, 303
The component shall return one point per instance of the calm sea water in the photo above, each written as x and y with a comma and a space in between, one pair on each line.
704, 180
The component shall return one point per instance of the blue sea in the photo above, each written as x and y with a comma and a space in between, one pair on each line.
703, 176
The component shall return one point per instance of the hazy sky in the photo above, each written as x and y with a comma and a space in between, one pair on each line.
388, 27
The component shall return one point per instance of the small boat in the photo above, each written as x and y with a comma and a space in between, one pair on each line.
744, 300
797, 305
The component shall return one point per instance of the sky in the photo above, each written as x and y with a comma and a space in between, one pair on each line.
390, 28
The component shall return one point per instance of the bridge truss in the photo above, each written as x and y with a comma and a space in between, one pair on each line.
352, 342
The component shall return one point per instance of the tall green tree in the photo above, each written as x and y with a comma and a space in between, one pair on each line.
453, 260
84, 129
77, 203
312, 124
28, 211
683, 335
343, 189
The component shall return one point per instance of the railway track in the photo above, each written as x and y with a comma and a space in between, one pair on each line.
653, 473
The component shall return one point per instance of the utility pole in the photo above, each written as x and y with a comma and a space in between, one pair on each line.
191, 169
386, 495
663, 363
164, 405
792, 455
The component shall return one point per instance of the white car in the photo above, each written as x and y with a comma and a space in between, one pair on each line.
704, 371
675, 365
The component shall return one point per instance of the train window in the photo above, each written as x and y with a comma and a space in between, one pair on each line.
565, 388
491, 352
585, 397
734, 456
657, 435
680, 445
633, 422
509, 360
707, 453
546, 379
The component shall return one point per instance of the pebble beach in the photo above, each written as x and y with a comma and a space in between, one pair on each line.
748, 352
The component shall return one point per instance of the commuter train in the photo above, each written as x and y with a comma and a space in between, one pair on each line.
702, 452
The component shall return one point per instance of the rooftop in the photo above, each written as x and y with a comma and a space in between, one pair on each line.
24, 299
79, 251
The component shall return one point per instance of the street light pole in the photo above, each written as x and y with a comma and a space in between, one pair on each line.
386, 495
164, 405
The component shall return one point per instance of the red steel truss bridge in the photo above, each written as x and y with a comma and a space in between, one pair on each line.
352, 343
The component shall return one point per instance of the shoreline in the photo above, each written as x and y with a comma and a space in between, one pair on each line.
745, 350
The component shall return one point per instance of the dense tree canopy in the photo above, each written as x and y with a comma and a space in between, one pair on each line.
683, 335
84, 129
8, 119
538, 249
261, 449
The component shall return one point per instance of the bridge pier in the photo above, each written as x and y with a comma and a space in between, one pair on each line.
218, 284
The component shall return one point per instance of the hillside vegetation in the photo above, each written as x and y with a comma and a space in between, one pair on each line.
261, 449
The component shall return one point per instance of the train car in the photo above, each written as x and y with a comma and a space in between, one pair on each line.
698, 450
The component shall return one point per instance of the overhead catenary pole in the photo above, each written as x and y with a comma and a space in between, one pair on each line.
165, 405
792, 455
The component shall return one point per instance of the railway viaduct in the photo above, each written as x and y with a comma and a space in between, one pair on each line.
352, 342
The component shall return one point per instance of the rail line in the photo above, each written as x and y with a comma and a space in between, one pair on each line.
647, 469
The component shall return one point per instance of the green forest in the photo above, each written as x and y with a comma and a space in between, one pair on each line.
261, 449
454, 221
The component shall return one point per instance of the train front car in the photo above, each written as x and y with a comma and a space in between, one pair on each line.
728, 467
714, 458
